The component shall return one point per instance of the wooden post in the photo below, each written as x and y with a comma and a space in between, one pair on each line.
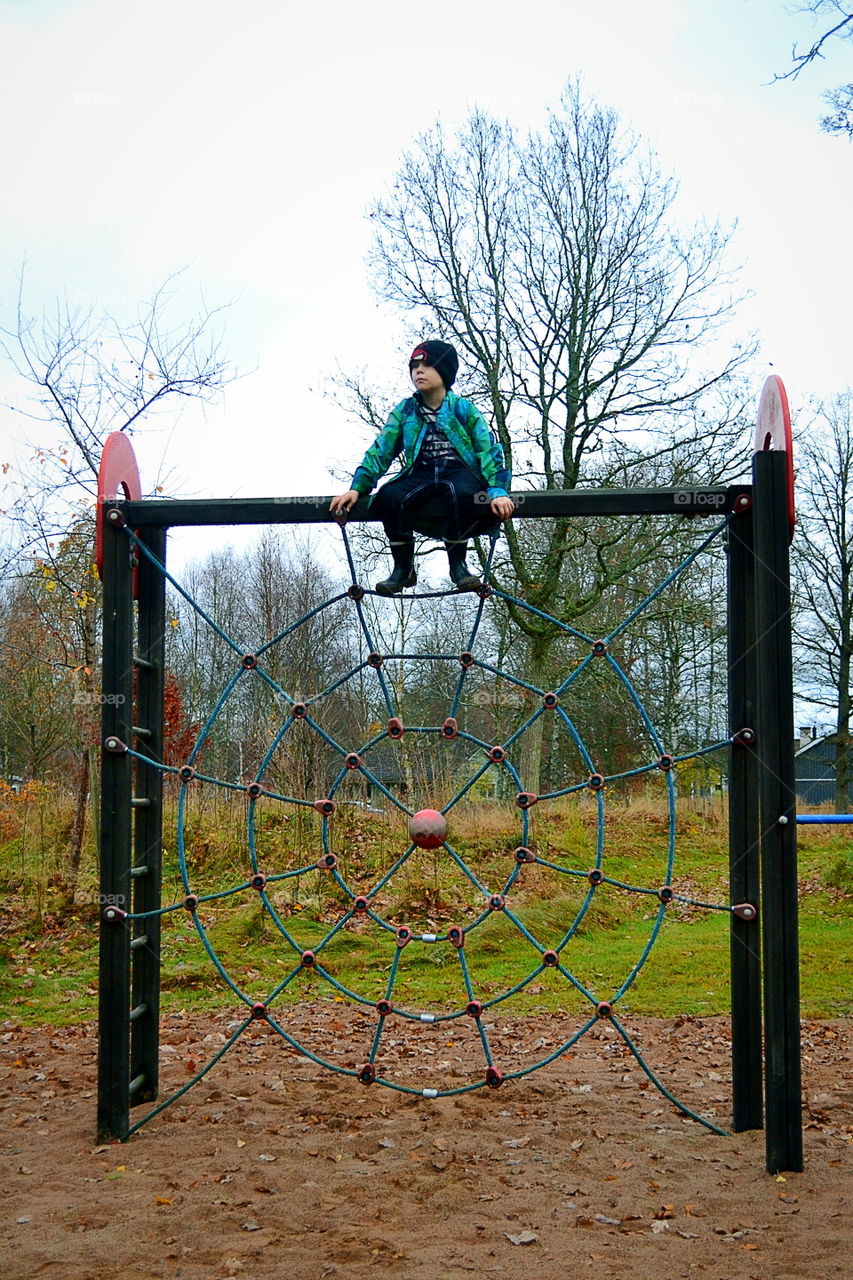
116, 791
745, 935
778, 825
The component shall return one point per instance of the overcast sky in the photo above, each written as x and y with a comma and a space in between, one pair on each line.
245, 143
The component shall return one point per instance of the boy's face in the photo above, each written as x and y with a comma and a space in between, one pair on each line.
426, 378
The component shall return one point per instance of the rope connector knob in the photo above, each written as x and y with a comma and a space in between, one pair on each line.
595, 875
497, 902
550, 959
745, 737
299, 711
666, 762
352, 760
603, 1009
599, 648
450, 728
259, 1011
186, 773
384, 1008
360, 904
666, 894
375, 660
550, 701
326, 807
254, 790
474, 1008
395, 728
404, 935
191, 902
494, 1078
355, 592
524, 855
596, 782
113, 914
258, 881
526, 799
456, 936
367, 1074
249, 661
308, 960
497, 755
466, 658
114, 745
745, 911
328, 862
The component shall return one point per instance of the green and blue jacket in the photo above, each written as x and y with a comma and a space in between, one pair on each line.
465, 428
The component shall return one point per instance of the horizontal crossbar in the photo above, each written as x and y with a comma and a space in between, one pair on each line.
825, 819
168, 513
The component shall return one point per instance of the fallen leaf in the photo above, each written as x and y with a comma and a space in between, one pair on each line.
525, 1237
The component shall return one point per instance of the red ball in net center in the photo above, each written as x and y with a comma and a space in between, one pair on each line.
428, 829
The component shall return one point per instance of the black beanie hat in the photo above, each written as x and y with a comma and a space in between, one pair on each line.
439, 356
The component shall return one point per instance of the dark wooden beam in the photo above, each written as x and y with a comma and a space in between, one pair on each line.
709, 501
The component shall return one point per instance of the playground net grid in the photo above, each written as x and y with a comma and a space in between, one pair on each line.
359, 905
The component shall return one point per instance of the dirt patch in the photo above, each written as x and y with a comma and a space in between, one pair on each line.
272, 1167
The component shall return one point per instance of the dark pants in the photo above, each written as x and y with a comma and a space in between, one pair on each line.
441, 500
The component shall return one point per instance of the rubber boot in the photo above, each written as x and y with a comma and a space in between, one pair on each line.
403, 573
460, 575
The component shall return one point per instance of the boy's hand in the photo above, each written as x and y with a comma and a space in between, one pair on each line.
344, 501
502, 507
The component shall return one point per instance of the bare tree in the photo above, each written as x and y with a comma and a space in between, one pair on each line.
824, 574
555, 264
839, 14
87, 373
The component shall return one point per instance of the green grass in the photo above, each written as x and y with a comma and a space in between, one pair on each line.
48, 959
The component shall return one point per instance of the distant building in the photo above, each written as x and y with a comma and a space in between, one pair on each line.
814, 769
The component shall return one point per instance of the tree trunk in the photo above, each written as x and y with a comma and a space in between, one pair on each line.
78, 826
842, 734
530, 754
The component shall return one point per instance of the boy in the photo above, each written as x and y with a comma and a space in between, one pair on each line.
450, 457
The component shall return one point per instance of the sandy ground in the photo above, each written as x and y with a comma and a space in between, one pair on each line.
273, 1167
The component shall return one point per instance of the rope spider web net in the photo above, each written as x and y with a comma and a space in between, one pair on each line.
361, 907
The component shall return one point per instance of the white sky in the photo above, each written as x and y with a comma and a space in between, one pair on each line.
246, 142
